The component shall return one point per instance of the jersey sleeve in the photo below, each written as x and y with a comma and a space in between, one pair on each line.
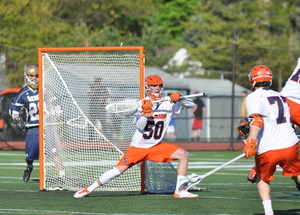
254, 105
182, 105
16, 105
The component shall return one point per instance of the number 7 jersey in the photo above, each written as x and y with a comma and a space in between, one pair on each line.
277, 132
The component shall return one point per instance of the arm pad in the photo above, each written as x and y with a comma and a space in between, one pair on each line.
256, 120
141, 123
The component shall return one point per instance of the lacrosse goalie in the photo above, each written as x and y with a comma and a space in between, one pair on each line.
152, 121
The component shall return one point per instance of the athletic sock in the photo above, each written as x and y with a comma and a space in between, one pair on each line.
30, 166
94, 186
180, 180
268, 207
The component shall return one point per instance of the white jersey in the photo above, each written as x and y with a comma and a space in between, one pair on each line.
277, 132
291, 89
156, 126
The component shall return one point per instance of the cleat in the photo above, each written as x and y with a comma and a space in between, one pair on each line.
184, 194
27, 173
297, 184
252, 175
82, 193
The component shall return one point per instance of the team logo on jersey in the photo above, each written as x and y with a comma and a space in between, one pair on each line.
160, 116
125, 160
33, 98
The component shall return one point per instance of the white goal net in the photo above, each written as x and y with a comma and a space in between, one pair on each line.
76, 129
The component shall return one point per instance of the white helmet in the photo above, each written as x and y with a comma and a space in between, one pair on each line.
31, 76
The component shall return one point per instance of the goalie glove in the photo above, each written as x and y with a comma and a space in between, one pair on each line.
147, 108
250, 147
20, 124
175, 97
243, 129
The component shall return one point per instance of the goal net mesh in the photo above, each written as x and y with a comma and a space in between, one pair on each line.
79, 136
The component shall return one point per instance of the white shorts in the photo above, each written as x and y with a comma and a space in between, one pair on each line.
171, 129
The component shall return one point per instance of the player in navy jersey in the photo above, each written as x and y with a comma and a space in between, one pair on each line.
27, 99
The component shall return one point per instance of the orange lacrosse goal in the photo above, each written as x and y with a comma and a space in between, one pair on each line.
77, 134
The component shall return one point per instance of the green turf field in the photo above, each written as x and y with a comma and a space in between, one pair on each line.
228, 192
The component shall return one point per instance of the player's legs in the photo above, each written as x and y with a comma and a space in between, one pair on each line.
264, 191
196, 129
183, 157
266, 167
59, 165
31, 154
132, 156
291, 165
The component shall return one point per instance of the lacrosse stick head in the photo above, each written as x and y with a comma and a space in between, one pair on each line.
193, 180
126, 107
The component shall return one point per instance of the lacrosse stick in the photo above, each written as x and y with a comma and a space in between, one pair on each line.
196, 179
128, 106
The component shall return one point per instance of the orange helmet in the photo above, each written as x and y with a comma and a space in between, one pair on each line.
260, 76
154, 80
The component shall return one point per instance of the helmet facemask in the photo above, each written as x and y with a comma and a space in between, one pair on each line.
31, 76
155, 94
154, 80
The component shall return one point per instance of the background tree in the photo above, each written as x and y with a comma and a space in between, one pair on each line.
265, 30
268, 32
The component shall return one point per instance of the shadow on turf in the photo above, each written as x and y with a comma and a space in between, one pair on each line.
286, 212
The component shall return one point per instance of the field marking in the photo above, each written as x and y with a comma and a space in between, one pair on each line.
192, 165
18, 211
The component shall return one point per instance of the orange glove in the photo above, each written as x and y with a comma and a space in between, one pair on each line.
250, 147
175, 97
147, 108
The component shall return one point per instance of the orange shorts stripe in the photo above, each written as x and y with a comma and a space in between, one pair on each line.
197, 124
288, 159
161, 152
295, 111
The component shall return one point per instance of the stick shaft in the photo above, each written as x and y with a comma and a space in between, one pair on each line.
223, 165
186, 97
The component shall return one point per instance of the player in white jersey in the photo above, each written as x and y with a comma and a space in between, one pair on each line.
291, 91
152, 121
272, 138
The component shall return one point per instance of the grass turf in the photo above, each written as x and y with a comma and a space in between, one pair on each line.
228, 192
